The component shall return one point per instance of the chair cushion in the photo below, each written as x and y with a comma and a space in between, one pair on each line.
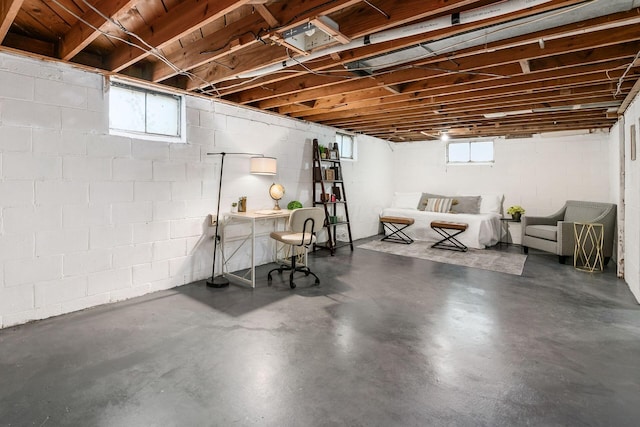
547, 232
291, 238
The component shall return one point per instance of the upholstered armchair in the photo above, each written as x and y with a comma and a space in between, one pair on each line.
555, 234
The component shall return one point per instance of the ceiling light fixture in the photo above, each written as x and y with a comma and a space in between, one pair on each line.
320, 32
444, 136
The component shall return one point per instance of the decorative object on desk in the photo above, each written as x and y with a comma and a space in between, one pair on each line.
234, 207
276, 191
242, 204
516, 212
333, 154
259, 165
294, 204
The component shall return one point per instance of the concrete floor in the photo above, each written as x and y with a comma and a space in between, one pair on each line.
384, 341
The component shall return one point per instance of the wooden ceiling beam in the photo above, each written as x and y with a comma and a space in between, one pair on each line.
420, 8
241, 34
231, 38
266, 15
531, 82
571, 78
358, 22
411, 118
624, 18
377, 49
182, 19
437, 128
498, 104
491, 131
466, 118
81, 34
579, 50
8, 11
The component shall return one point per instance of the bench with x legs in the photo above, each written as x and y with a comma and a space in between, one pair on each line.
448, 230
395, 225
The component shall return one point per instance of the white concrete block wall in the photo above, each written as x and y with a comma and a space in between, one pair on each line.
88, 218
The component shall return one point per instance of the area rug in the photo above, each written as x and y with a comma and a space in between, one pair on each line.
503, 262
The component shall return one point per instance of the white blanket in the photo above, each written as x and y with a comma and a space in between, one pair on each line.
484, 229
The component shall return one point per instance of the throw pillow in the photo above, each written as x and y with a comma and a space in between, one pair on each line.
466, 204
405, 200
491, 203
425, 198
438, 205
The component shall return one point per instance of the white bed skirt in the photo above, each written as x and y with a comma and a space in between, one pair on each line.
484, 229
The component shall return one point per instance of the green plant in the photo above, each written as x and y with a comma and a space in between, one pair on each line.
516, 209
294, 204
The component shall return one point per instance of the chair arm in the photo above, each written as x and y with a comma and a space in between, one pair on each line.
538, 220
566, 238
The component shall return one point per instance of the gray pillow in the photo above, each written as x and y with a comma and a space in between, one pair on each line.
422, 204
466, 204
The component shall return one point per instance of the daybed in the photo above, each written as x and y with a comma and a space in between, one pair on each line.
484, 227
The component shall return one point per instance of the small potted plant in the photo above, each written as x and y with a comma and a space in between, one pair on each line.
516, 211
323, 151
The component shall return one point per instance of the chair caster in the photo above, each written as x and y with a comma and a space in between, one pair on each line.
317, 282
292, 285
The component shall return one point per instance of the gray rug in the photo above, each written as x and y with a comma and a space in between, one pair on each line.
503, 262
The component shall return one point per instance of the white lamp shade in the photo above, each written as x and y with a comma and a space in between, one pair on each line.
263, 165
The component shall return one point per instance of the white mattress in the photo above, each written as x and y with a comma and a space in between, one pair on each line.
484, 229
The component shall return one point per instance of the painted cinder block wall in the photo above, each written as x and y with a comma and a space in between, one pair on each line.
87, 218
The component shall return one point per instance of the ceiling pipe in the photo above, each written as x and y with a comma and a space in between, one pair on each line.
466, 17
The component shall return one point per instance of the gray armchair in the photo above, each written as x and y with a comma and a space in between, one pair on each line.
554, 233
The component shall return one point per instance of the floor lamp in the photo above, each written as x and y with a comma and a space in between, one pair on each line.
260, 165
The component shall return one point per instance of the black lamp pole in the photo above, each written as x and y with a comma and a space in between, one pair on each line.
219, 281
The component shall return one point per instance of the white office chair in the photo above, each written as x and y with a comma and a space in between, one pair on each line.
303, 224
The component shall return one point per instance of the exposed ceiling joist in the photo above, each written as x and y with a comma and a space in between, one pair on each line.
403, 70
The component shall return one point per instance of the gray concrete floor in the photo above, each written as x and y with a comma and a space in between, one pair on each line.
384, 341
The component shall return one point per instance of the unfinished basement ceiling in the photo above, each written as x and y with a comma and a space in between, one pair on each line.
401, 70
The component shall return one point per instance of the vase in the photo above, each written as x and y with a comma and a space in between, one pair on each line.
516, 216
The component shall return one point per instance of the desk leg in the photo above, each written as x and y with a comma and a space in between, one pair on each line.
253, 253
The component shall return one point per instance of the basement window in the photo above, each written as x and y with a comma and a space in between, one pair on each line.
145, 113
346, 146
477, 152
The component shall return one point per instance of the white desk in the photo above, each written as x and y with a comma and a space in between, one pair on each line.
279, 220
